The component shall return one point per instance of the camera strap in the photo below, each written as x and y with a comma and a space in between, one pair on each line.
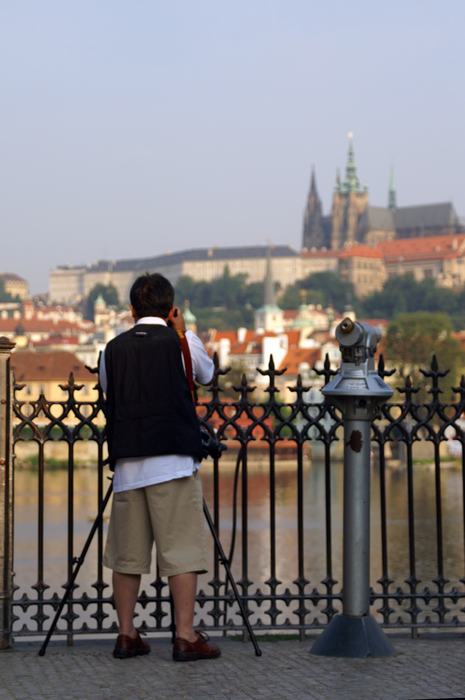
186, 353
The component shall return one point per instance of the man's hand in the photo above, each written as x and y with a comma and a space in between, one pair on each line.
176, 320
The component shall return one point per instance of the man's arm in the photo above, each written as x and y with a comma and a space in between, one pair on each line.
202, 363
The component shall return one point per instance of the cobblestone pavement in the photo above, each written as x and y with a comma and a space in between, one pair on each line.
421, 669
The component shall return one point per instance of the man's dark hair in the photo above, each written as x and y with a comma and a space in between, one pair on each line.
152, 295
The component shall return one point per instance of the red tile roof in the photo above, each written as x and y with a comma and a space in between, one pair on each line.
48, 366
34, 325
290, 314
296, 356
57, 340
293, 337
424, 248
361, 251
221, 335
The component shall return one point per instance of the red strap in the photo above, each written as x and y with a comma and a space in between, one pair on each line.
186, 353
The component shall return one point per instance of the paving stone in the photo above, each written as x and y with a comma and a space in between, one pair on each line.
422, 669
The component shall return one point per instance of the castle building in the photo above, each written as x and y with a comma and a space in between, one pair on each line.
353, 220
349, 203
68, 284
364, 267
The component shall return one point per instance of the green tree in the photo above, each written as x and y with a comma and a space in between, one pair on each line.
326, 288
225, 302
413, 338
405, 294
107, 291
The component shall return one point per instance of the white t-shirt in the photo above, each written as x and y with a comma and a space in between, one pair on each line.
137, 472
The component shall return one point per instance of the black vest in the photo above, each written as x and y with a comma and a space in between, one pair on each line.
149, 407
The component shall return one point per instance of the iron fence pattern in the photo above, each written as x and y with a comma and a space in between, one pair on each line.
249, 420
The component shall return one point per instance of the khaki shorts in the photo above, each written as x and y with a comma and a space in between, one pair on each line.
171, 513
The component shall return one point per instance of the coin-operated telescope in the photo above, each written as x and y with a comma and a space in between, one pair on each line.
358, 391
357, 385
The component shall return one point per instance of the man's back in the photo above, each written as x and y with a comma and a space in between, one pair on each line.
149, 407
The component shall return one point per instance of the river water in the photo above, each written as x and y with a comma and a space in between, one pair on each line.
85, 506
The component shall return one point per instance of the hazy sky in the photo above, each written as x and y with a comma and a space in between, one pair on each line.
136, 127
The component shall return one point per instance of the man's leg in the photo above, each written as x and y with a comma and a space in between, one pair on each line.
183, 589
125, 591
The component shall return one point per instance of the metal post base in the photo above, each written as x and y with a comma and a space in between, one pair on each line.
354, 637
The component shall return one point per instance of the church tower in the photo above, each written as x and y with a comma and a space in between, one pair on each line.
269, 317
313, 234
349, 202
392, 196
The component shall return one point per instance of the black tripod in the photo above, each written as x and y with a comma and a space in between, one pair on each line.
78, 562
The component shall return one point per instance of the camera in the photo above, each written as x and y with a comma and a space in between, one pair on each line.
211, 446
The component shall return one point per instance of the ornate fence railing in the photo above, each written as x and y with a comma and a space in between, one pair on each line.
276, 503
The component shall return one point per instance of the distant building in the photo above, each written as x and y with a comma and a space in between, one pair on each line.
14, 285
441, 258
189, 319
364, 267
269, 317
354, 220
44, 372
312, 261
67, 284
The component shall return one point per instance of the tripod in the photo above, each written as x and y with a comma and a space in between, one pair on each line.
78, 562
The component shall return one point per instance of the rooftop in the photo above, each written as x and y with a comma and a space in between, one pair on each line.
360, 250
11, 276
441, 215
56, 366
427, 247
192, 255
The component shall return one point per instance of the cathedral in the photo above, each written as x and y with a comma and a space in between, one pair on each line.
354, 220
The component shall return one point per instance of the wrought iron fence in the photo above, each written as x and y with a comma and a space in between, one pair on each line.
285, 551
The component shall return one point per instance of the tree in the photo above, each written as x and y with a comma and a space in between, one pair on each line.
405, 294
326, 288
228, 293
413, 338
107, 291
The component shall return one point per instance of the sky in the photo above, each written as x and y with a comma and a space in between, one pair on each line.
131, 128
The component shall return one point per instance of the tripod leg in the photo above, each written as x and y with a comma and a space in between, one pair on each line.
79, 562
224, 561
173, 621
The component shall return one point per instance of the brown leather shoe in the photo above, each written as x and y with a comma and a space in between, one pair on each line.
126, 647
193, 651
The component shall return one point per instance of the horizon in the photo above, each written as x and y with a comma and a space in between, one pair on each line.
129, 129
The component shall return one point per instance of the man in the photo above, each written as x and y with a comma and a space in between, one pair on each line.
154, 447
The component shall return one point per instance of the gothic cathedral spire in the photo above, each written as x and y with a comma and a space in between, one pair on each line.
351, 183
313, 235
392, 195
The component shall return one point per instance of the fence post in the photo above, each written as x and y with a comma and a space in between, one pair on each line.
6, 493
